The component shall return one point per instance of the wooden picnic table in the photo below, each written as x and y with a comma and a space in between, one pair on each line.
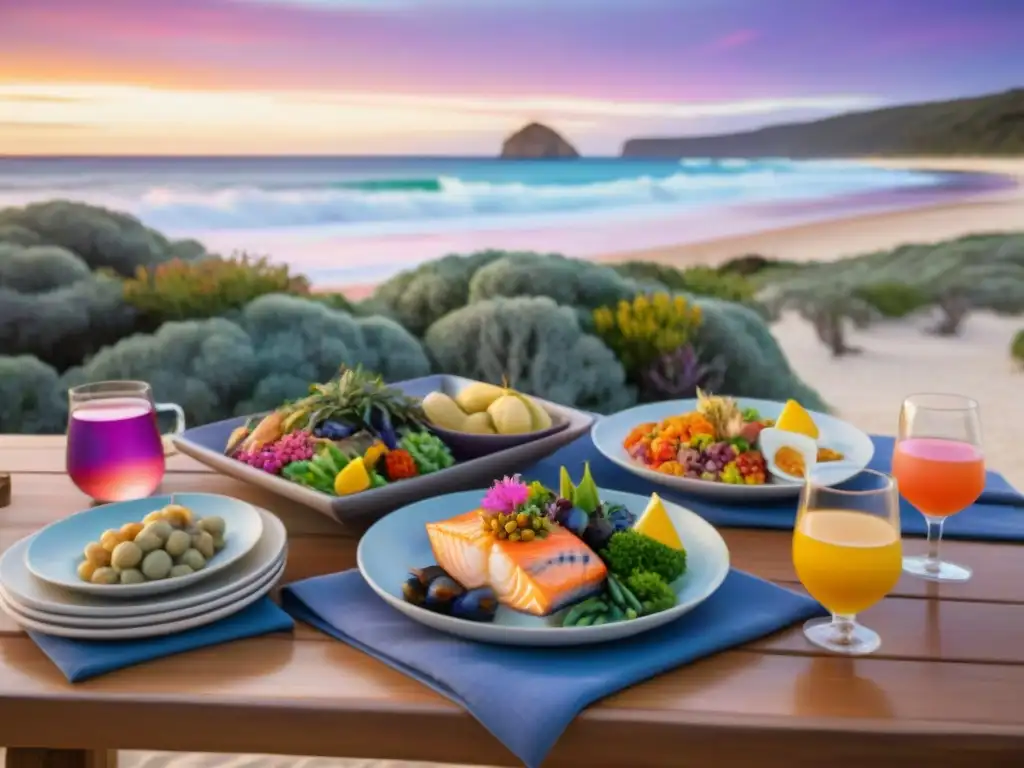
944, 690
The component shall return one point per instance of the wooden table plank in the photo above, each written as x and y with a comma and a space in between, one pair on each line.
48, 461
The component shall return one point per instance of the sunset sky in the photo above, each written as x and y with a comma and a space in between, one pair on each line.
455, 76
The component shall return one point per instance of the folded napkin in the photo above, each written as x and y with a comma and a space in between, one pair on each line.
82, 659
991, 518
527, 696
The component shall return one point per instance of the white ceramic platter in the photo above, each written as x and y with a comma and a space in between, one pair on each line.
253, 593
19, 585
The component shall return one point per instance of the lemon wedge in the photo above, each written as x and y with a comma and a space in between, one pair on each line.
795, 418
656, 524
353, 478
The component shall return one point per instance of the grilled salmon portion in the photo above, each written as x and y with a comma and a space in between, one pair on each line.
537, 577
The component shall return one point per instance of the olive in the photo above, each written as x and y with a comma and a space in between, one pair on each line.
204, 543
96, 554
147, 541
181, 570
218, 543
177, 515
153, 517
105, 575
161, 528
127, 554
177, 543
156, 565
213, 525
132, 576
86, 570
194, 559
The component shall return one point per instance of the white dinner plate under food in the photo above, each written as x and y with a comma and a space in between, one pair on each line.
254, 593
25, 589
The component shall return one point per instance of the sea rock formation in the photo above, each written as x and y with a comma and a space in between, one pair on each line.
537, 142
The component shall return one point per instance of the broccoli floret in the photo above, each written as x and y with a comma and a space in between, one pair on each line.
630, 551
652, 591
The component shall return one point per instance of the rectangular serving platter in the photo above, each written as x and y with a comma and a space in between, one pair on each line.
206, 445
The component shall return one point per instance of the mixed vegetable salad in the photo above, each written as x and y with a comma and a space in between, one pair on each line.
348, 435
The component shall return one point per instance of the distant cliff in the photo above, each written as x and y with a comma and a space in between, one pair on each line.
984, 125
536, 142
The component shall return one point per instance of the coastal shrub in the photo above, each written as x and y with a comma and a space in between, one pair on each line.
418, 297
829, 305
195, 290
569, 282
102, 238
642, 330
701, 281
749, 358
1017, 348
271, 352
893, 299
537, 345
18, 235
39, 268
64, 326
31, 398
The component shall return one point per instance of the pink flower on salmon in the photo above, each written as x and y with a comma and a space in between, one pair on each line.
506, 495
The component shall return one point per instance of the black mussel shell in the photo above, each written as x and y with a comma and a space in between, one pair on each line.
428, 574
476, 605
441, 592
413, 591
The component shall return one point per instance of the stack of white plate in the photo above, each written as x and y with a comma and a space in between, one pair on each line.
40, 589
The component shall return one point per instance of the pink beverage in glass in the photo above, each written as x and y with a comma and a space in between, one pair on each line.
115, 450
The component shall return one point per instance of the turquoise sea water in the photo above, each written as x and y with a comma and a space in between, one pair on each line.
357, 219
203, 194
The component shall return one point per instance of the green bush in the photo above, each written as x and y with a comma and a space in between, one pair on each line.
64, 326
195, 290
537, 345
100, 237
31, 398
39, 268
419, 297
271, 352
701, 281
893, 299
568, 282
14, 234
754, 364
1017, 347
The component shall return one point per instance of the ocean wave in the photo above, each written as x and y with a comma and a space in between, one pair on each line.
450, 197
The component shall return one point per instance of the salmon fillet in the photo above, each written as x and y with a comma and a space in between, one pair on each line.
538, 577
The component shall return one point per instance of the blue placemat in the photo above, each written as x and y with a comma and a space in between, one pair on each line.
527, 696
82, 659
997, 516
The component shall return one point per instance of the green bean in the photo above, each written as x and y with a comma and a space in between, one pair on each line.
602, 618
631, 601
616, 592
615, 614
590, 605
586, 621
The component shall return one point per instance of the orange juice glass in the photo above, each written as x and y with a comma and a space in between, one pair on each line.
940, 467
847, 554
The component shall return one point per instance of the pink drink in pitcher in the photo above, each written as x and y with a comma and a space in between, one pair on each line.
115, 450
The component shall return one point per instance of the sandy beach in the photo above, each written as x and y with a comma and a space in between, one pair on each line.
866, 389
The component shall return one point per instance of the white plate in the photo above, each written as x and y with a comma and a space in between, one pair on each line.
254, 593
142, 620
609, 432
25, 589
55, 553
399, 542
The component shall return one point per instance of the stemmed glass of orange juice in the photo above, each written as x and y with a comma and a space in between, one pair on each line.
940, 467
847, 554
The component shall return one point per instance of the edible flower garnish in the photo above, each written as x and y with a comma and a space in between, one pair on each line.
506, 495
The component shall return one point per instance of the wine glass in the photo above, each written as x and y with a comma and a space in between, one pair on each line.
940, 467
847, 554
115, 451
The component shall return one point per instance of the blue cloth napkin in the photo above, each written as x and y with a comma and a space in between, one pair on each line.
998, 515
82, 659
527, 696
